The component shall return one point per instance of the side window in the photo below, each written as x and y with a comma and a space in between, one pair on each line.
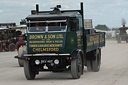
74, 24
80, 23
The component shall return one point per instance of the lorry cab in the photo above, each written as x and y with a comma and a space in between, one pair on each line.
54, 32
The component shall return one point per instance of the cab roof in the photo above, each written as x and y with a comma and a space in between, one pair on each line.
40, 16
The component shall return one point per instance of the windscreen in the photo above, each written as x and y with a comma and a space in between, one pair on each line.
47, 26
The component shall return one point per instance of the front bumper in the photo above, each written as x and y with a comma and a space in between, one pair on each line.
47, 54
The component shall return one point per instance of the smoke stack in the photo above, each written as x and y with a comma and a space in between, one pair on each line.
37, 8
123, 22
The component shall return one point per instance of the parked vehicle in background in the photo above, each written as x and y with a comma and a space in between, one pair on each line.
4, 43
20, 40
122, 35
9, 37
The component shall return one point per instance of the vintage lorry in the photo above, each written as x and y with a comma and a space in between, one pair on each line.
57, 41
122, 35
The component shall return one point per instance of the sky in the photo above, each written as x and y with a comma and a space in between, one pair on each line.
103, 12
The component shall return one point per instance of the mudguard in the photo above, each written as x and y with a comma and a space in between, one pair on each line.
75, 52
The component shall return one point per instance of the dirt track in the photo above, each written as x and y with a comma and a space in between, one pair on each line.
114, 70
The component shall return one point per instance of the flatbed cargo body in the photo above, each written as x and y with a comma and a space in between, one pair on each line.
95, 41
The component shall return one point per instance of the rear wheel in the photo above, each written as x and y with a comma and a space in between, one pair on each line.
119, 40
29, 74
12, 47
76, 67
96, 63
1, 47
6, 48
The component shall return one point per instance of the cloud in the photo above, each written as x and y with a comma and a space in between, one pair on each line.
1, 11
108, 12
121, 2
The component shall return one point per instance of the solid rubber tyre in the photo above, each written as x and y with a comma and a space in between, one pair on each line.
119, 40
96, 63
20, 53
6, 48
1, 47
76, 67
29, 74
21, 62
12, 47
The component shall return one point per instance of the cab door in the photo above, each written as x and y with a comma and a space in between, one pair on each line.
72, 34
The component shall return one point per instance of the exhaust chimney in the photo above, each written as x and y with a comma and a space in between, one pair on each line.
37, 8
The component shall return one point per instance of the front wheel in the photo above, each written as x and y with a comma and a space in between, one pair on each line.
29, 74
76, 67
